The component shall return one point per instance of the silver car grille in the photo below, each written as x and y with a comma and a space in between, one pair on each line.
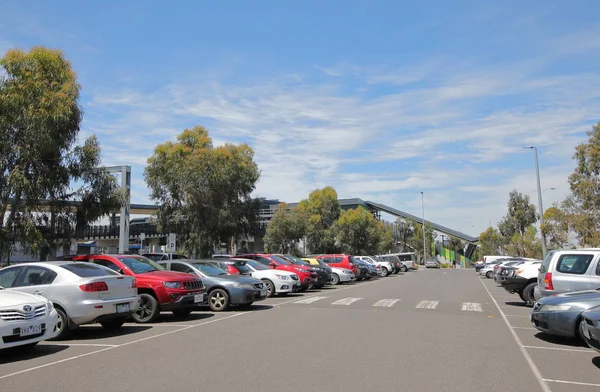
259, 285
20, 315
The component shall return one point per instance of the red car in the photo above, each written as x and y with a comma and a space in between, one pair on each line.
306, 274
159, 289
341, 261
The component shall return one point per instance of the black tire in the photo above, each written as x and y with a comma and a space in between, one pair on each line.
303, 289
182, 313
218, 300
528, 294
318, 286
335, 279
149, 309
270, 287
489, 274
384, 272
403, 268
358, 279
112, 324
368, 277
62, 325
579, 330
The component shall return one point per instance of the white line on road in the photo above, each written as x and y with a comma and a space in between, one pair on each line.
427, 305
471, 307
79, 344
346, 301
577, 350
515, 315
533, 329
536, 372
309, 300
161, 325
386, 303
589, 384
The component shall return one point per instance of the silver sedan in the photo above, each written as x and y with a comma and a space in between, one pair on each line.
82, 293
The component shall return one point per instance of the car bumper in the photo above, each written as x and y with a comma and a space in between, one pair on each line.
513, 283
245, 296
539, 293
285, 286
10, 331
591, 335
555, 323
87, 312
347, 278
186, 301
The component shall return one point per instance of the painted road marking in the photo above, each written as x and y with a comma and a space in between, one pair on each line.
386, 303
309, 300
346, 301
471, 307
427, 305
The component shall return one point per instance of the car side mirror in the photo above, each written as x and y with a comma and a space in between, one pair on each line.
273, 265
121, 272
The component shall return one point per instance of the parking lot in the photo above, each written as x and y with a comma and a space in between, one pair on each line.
426, 330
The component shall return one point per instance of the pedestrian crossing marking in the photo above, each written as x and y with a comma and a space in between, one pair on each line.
346, 301
309, 300
386, 303
471, 307
427, 304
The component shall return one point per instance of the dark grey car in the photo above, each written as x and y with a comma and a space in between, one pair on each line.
222, 288
561, 314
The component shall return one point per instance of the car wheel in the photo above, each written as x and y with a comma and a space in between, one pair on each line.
182, 312
112, 324
303, 289
62, 325
148, 310
403, 269
528, 294
358, 279
335, 279
489, 274
218, 300
384, 272
270, 288
318, 286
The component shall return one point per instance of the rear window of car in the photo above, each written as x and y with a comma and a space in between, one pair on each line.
242, 268
88, 270
155, 257
546, 263
574, 264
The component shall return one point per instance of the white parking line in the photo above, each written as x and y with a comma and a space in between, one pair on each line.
534, 369
309, 300
515, 315
79, 344
577, 350
531, 328
346, 301
427, 305
589, 384
471, 307
386, 303
162, 325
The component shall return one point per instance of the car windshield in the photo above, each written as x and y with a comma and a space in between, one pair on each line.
210, 269
280, 260
141, 265
300, 262
256, 265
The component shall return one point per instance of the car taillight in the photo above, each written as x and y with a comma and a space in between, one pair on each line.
231, 269
496, 266
548, 281
96, 286
134, 284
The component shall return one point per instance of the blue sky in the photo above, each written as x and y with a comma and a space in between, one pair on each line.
380, 99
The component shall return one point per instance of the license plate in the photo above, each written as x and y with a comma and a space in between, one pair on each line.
122, 308
586, 331
263, 293
30, 330
199, 298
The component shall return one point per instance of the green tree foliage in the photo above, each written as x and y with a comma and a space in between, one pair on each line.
525, 245
521, 214
321, 211
40, 118
284, 231
403, 231
204, 191
416, 240
360, 233
491, 242
386, 238
456, 245
556, 227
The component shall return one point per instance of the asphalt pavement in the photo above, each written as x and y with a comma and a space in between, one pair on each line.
426, 330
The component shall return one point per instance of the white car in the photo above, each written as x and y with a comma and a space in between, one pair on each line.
341, 275
82, 293
276, 281
384, 268
25, 319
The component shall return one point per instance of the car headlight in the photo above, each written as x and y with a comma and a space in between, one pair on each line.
348, 272
555, 308
172, 285
283, 277
304, 270
50, 307
245, 286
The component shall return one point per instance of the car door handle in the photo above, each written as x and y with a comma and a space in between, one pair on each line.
37, 292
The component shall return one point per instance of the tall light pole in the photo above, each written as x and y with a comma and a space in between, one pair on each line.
424, 238
539, 190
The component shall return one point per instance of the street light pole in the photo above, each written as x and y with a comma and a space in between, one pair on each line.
424, 238
539, 190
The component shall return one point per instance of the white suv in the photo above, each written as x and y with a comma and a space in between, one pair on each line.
25, 319
384, 268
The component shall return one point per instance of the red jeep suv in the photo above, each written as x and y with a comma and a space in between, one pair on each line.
306, 274
341, 261
159, 289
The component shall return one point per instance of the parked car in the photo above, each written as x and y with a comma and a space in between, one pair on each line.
164, 256
338, 275
342, 261
568, 270
506, 263
306, 274
561, 314
384, 268
367, 271
233, 266
521, 280
25, 319
159, 290
323, 272
398, 266
432, 263
590, 327
81, 293
223, 289
276, 281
